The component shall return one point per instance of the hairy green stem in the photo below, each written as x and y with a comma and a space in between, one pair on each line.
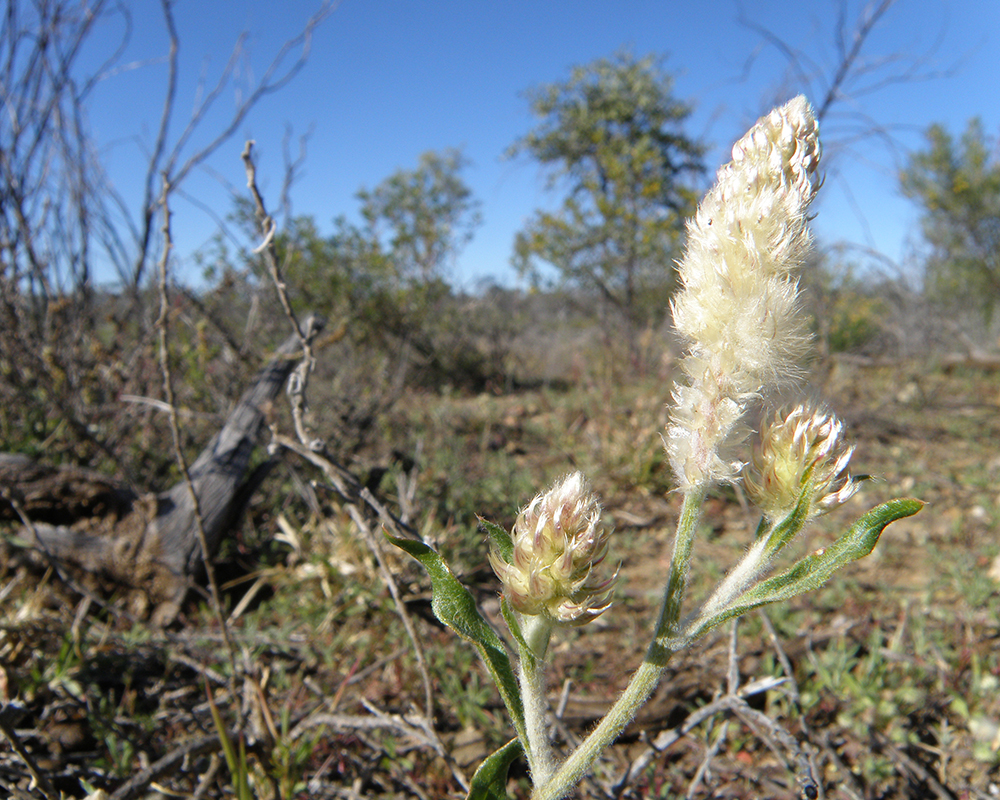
531, 676
648, 674
673, 596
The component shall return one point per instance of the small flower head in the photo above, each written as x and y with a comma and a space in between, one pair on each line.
802, 451
558, 540
738, 308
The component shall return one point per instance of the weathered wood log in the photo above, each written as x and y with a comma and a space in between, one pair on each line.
58, 495
151, 542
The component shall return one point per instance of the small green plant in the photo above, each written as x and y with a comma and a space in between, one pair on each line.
739, 311
236, 755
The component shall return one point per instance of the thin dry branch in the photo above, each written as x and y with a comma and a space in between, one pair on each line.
277, 75
733, 703
137, 785
359, 499
153, 167
701, 774
163, 326
853, 75
299, 380
39, 777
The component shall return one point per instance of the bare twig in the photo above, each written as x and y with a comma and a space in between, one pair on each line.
173, 163
419, 728
851, 784
668, 737
712, 752
169, 96
348, 486
390, 582
374, 721
37, 776
792, 690
298, 381
314, 450
161, 405
208, 777
560, 708
733, 672
773, 735
854, 75
167, 765
357, 497
916, 769
163, 325
292, 167
786, 665
268, 227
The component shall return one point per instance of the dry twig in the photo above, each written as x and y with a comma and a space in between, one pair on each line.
37, 775
359, 499
163, 325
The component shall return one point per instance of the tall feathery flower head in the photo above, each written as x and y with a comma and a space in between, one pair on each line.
558, 540
801, 451
738, 307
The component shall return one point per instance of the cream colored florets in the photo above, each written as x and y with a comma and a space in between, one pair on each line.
558, 540
801, 451
738, 308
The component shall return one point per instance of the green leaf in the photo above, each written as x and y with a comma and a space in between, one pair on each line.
237, 762
454, 605
786, 530
499, 539
490, 780
501, 542
525, 653
815, 569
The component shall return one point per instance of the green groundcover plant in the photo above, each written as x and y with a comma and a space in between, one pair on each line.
739, 313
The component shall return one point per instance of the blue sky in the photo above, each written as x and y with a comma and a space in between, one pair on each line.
390, 79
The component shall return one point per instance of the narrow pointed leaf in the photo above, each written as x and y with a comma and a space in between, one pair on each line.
514, 626
237, 764
490, 780
815, 569
499, 539
454, 605
786, 530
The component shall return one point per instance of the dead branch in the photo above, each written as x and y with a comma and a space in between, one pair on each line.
151, 542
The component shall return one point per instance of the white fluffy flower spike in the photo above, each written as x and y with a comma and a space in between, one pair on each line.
738, 307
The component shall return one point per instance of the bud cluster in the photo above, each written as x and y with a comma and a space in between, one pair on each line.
558, 540
801, 451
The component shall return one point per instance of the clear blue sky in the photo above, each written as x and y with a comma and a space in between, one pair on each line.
390, 79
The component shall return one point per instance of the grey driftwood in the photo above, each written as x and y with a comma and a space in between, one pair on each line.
150, 542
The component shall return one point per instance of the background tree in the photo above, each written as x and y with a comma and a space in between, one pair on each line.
957, 184
422, 217
612, 136
383, 273
381, 277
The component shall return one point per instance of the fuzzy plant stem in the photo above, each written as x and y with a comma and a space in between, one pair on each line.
647, 676
531, 676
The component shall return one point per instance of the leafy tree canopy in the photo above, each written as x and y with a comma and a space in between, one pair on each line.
422, 217
612, 135
958, 186
382, 275
412, 226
